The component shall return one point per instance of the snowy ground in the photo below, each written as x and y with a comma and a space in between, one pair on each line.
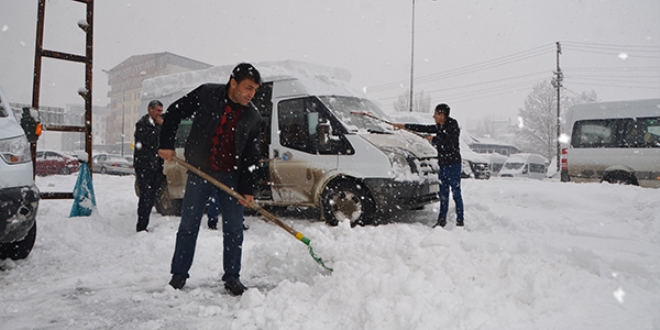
533, 255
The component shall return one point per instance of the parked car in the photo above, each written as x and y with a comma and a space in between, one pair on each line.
525, 165
495, 163
615, 142
19, 196
111, 164
49, 162
474, 165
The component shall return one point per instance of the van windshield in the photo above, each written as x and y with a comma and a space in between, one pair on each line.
513, 166
357, 113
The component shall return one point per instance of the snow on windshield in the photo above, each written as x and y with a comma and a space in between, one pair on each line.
357, 113
513, 166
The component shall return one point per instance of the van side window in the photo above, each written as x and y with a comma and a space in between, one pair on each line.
642, 133
305, 125
537, 168
593, 134
617, 133
294, 132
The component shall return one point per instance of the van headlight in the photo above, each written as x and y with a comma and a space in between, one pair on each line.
400, 160
15, 150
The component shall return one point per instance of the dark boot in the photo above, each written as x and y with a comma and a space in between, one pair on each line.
235, 287
441, 223
177, 282
459, 223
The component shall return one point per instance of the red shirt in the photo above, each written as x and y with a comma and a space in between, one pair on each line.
223, 148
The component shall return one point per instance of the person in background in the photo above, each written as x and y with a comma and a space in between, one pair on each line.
446, 140
223, 142
148, 166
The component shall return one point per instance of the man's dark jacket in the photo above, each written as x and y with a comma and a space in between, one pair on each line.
206, 106
145, 153
446, 140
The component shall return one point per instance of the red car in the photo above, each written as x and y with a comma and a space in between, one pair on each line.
50, 162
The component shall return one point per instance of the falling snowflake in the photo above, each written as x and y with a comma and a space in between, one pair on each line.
619, 294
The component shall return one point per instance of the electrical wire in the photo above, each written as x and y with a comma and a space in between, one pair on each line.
534, 52
587, 76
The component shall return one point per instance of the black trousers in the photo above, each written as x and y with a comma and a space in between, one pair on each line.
149, 182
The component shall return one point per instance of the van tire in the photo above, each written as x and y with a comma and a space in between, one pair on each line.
64, 171
165, 205
620, 177
346, 199
21, 249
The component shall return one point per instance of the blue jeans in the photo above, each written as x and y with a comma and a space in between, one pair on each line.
197, 194
450, 177
214, 208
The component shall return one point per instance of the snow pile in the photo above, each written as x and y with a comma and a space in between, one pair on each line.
181, 83
533, 255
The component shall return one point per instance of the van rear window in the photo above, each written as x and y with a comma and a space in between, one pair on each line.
617, 133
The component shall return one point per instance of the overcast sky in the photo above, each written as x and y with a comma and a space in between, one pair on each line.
481, 57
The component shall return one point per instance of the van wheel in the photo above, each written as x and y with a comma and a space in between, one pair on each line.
64, 171
166, 205
103, 170
21, 249
620, 177
347, 200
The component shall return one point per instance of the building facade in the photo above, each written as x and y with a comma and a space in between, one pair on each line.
125, 81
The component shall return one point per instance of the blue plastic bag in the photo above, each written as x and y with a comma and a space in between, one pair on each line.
83, 193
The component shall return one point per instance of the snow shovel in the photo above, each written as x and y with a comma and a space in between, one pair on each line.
269, 216
368, 114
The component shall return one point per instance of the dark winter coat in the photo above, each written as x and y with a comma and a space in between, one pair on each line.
446, 140
145, 152
206, 105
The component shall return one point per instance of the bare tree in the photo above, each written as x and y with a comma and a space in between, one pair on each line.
422, 102
537, 129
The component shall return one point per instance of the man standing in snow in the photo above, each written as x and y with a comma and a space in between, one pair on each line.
446, 140
223, 142
148, 166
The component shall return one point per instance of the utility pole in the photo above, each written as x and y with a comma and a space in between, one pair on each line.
556, 82
412, 58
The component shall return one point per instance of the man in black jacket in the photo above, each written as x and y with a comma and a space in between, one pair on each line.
148, 166
446, 140
223, 142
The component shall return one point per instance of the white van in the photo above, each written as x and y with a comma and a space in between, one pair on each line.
318, 150
19, 196
525, 165
617, 142
495, 163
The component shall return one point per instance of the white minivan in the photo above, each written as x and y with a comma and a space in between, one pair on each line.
616, 142
19, 197
525, 165
319, 150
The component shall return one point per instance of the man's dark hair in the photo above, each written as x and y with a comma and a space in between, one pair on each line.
442, 108
155, 103
245, 71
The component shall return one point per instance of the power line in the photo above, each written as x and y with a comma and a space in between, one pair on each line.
637, 77
613, 47
541, 50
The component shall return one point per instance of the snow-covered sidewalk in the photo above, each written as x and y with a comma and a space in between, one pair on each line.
533, 255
